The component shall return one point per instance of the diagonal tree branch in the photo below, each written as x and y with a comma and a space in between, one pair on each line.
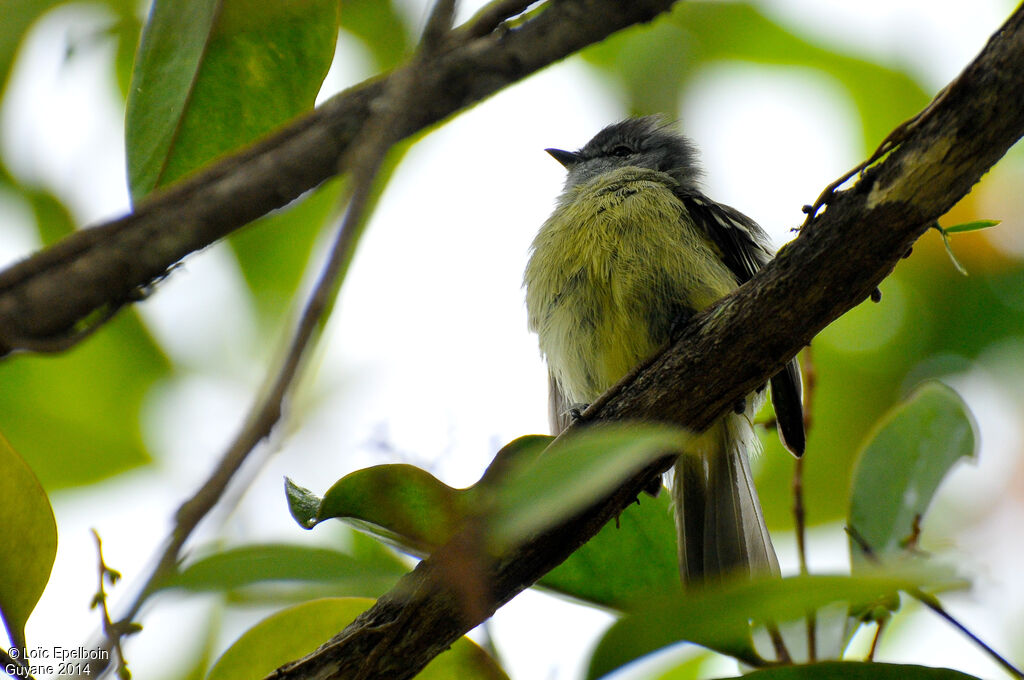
726, 352
49, 301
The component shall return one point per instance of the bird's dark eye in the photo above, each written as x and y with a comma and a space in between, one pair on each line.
622, 151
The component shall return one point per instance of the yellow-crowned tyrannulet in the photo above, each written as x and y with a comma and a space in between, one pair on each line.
632, 250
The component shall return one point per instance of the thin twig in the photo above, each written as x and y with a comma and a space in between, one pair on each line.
799, 509
378, 137
891, 141
799, 515
932, 602
113, 631
779, 643
436, 30
879, 626
800, 520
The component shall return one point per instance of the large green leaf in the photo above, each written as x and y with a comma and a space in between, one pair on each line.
28, 542
291, 233
643, 537
260, 564
297, 631
399, 503
528, 487
901, 466
840, 670
402, 503
214, 75
572, 473
75, 417
719, 618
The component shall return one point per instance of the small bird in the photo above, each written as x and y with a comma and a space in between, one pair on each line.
632, 251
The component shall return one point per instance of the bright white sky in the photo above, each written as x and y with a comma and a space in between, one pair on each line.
428, 347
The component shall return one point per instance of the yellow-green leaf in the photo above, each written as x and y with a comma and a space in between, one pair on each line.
214, 75
970, 226
719, 618
909, 454
297, 631
28, 541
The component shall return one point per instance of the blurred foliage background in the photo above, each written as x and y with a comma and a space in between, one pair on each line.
121, 428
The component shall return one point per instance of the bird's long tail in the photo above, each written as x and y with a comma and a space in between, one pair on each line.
721, 528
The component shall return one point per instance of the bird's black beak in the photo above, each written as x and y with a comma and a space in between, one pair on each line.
566, 158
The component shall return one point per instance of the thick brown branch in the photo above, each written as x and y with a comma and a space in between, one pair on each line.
44, 298
839, 258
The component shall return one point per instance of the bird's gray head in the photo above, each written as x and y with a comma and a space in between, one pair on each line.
646, 142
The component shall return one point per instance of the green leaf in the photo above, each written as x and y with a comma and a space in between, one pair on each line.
212, 76
378, 24
902, 464
399, 503
719, 618
644, 537
529, 487
19, 15
957, 229
844, 670
126, 32
573, 473
28, 542
75, 416
403, 504
53, 219
970, 226
303, 504
688, 669
297, 631
254, 564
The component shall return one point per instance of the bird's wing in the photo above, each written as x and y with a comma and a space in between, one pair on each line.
745, 248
